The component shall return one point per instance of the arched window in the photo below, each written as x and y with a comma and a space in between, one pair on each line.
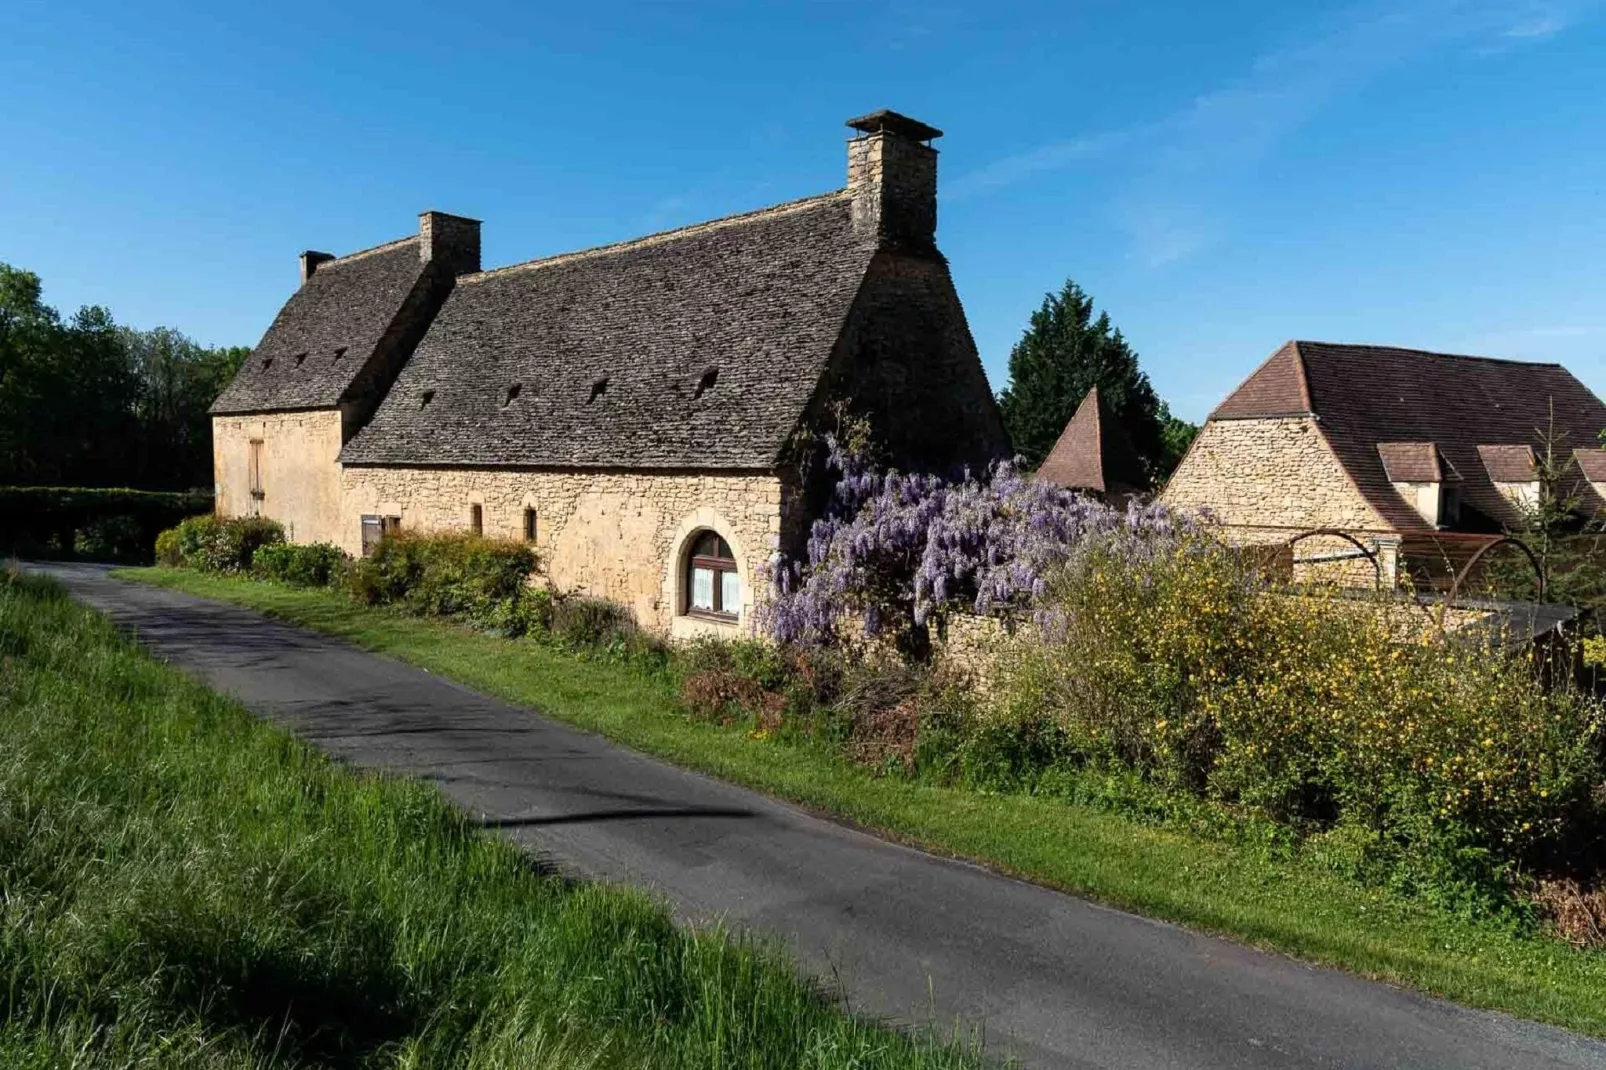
713, 587
529, 524
476, 519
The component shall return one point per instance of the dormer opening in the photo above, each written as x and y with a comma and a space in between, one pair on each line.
267, 362
301, 358
340, 352
598, 388
512, 394
428, 396
706, 383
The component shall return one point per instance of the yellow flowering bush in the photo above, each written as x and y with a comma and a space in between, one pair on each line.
1315, 709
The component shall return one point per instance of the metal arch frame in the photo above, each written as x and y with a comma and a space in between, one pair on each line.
1370, 555
1466, 570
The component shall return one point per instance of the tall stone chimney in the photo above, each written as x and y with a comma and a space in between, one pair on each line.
451, 240
310, 261
892, 174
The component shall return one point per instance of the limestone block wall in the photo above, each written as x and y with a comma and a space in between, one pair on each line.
616, 535
300, 478
1268, 479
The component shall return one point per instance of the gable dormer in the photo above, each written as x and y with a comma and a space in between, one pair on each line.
1422, 475
1514, 472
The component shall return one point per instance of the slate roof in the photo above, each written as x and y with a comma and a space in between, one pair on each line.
1094, 453
1368, 396
695, 348
321, 339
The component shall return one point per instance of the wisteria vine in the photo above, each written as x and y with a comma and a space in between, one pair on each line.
897, 550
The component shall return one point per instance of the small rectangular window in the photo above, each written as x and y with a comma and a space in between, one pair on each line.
529, 525
476, 519
375, 528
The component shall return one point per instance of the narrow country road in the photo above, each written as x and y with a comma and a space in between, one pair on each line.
1055, 981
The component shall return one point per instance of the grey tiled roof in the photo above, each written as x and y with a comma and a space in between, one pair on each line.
325, 334
695, 348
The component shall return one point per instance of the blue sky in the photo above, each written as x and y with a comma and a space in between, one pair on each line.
1220, 177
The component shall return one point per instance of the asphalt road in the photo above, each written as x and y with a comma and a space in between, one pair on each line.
1053, 980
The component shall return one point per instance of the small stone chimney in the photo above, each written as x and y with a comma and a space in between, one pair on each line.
310, 261
452, 240
892, 174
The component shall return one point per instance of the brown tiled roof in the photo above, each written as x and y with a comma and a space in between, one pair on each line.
327, 332
697, 348
1508, 464
1592, 463
1367, 396
1415, 462
1094, 453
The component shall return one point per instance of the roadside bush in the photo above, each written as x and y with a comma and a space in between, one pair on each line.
316, 565
445, 575
1437, 765
213, 544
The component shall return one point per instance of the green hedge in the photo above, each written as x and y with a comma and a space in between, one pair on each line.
109, 523
211, 544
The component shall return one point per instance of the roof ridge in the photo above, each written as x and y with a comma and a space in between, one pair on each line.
1428, 353
785, 208
371, 250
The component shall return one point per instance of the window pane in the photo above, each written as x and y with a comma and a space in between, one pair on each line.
730, 592
702, 588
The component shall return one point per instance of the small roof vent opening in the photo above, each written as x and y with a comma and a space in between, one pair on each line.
301, 358
512, 394
340, 352
598, 388
267, 362
706, 383
429, 396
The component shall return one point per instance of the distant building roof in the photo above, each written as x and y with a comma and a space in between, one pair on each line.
325, 335
695, 348
1094, 453
1366, 398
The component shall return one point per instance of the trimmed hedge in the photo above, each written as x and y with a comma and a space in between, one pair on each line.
319, 564
109, 523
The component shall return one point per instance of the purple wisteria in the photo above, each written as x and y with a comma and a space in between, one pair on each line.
899, 550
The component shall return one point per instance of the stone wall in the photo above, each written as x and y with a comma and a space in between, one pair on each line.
616, 535
299, 474
1267, 480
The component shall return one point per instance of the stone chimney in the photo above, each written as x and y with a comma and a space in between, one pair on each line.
452, 240
892, 174
310, 261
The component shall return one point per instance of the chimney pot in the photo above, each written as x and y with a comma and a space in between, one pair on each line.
892, 175
310, 261
451, 240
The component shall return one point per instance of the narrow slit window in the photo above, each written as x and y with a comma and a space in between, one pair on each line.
476, 518
254, 469
529, 524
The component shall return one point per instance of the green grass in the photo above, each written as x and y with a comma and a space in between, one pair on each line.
1291, 906
182, 885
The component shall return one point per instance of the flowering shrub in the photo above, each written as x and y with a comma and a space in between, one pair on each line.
1439, 762
900, 551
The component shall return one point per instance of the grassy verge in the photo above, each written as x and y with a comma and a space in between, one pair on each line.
182, 885
1292, 907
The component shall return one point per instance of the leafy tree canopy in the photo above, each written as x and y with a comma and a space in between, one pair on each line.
88, 403
1064, 353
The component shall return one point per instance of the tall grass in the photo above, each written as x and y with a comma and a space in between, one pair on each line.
181, 885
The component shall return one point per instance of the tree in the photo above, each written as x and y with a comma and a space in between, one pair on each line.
1063, 354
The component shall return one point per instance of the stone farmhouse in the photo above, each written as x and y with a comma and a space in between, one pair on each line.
647, 414
1395, 447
